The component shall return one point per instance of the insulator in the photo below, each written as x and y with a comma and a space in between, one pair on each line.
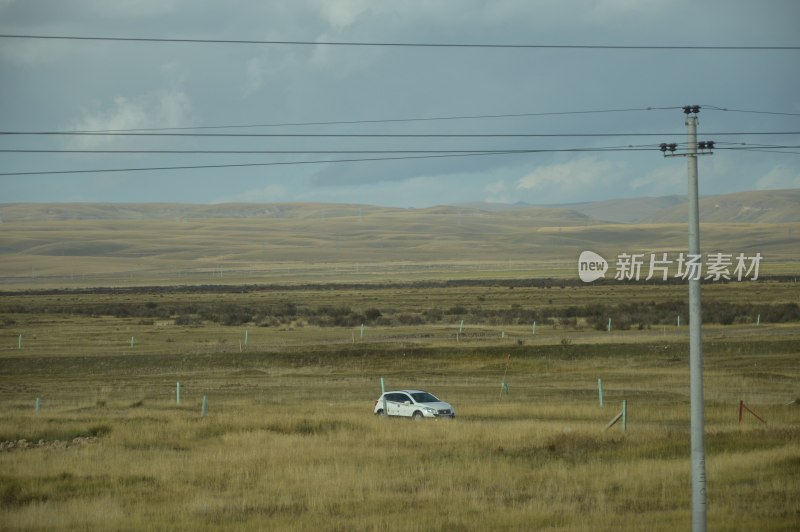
673, 147
710, 144
687, 109
701, 145
695, 109
663, 147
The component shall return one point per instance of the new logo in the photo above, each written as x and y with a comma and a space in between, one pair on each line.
591, 266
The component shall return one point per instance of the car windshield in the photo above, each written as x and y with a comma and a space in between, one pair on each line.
424, 397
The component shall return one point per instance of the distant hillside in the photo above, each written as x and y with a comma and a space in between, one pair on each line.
108, 244
627, 210
762, 206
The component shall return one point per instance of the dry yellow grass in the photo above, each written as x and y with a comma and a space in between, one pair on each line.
290, 442
308, 466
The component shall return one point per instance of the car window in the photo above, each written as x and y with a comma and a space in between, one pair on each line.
396, 397
424, 397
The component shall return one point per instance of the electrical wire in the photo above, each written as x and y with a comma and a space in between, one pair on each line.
327, 161
384, 135
425, 119
312, 152
763, 150
750, 111
403, 44
387, 120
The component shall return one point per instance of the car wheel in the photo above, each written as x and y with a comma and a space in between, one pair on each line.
380, 413
417, 415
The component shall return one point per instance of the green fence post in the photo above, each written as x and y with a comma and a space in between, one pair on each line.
178, 393
38, 406
624, 415
205, 403
600, 391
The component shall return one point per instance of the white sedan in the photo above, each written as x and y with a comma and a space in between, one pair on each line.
415, 404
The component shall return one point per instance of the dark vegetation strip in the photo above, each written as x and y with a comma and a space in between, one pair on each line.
628, 315
300, 287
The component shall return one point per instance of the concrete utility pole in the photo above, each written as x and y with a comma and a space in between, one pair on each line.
695, 343
698, 453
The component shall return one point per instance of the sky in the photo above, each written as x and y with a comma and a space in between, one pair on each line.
554, 95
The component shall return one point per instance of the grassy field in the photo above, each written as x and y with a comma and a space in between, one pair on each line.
289, 441
47, 246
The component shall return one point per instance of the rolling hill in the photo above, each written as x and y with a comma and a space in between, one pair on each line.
100, 244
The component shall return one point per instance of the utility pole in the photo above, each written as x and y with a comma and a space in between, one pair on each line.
698, 453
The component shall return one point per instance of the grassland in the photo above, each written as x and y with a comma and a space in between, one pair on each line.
132, 245
259, 309
289, 441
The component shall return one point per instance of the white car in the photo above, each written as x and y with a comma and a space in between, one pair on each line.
415, 404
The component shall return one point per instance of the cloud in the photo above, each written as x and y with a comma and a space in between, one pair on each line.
668, 179
161, 109
342, 13
781, 176
576, 179
126, 9
498, 192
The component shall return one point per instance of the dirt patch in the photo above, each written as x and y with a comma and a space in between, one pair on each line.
25, 445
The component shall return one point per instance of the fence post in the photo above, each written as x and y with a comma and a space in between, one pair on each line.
743, 407
600, 391
624, 415
178, 393
38, 406
205, 403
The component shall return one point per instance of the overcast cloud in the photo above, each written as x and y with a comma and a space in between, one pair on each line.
56, 85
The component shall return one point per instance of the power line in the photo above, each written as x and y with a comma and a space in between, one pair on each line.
327, 161
278, 163
380, 135
386, 120
750, 111
403, 44
764, 150
428, 119
314, 152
